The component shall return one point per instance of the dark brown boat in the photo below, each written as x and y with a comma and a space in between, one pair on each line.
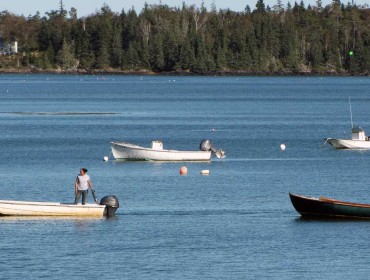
329, 208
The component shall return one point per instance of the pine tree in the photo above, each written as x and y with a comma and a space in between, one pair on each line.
186, 56
260, 7
156, 52
65, 57
170, 52
116, 51
200, 64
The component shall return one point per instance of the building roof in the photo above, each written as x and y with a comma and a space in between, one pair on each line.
357, 129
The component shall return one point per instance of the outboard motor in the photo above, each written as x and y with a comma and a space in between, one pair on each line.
111, 205
206, 145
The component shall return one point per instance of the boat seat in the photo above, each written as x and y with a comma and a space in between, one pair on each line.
323, 198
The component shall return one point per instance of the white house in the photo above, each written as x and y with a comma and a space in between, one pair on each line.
8, 48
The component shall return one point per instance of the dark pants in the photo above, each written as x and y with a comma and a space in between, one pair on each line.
78, 195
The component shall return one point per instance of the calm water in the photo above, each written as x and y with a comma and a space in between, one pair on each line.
236, 223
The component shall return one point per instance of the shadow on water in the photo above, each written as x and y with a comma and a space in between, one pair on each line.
5, 218
195, 212
330, 219
60, 113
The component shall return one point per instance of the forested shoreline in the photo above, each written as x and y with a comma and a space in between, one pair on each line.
286, 39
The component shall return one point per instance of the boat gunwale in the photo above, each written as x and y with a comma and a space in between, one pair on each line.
331, 201
348, 144
43, 209
49, 204
129, 145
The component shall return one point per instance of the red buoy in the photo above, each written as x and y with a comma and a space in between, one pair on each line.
183, 170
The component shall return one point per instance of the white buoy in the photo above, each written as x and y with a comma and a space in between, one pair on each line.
282, 147
105, 158
204, 172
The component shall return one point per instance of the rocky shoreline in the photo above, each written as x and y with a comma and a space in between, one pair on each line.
144, 72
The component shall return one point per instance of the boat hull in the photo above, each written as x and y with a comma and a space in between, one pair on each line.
329, 208
126, 151
26, 208
348, 144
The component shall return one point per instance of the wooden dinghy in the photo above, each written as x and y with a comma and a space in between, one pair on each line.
327, 207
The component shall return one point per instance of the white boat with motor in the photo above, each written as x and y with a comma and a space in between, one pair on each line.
127, 151
359, 140
107, 207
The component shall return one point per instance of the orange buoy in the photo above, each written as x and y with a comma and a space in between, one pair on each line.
183, 170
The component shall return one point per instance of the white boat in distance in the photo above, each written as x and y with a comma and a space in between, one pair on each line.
107, 207
359, 140
127, 151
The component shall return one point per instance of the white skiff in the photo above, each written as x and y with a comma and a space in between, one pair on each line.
359, 140
28, 208
127, 151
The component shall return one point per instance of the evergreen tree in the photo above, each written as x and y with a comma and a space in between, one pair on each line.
84, 49
44, 36
292, 39
50, 54
186, 56
260, 7
156, 52
170, 52
65, 57
200, 64
116, 50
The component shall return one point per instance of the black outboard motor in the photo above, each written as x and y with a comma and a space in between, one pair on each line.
206, 145
111, 204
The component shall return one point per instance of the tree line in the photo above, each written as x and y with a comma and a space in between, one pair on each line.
289, 39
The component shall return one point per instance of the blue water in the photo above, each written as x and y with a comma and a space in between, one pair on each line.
236, 223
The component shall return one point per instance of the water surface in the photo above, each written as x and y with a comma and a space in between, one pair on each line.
236, 223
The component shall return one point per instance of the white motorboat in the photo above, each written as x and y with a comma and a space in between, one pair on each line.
359, 140
107, 207
127, 151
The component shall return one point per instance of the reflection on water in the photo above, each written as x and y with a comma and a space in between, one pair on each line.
59, 113
48, 219
7, 219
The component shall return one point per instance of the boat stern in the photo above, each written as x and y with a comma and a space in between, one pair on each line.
207, 145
